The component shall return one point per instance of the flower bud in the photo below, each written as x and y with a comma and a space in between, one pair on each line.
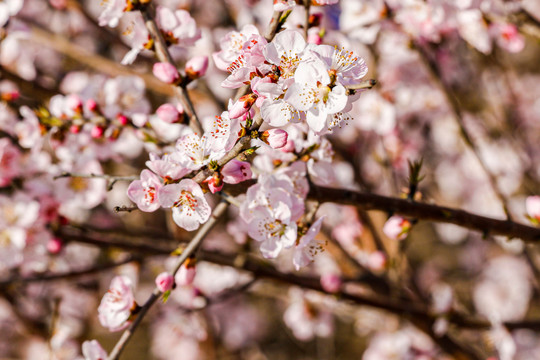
236, 171
532, 205
242, 106
289, 146
397, 228
164, 281
166, 72
186, 274
54, 245
276, 138
196, 67
314, 36
97, 131
74, 129
122, 119
168, 113
331, 283
215, 183
376, 261
74, 103
91, 105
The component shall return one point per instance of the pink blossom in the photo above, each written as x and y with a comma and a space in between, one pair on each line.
92, 350
117, 304
178, 26
532, 204
144, 192
189, 207
307, 247
232, 46
508, 37
9, 161
114, 9
276, 138
164, 282
168, 113
397, 228
314, 93
331, 282
166, 72
236, 171
196, 67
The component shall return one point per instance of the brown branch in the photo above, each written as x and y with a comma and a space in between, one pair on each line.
66, 275
62, 45
188, 251
423, 211
162, 53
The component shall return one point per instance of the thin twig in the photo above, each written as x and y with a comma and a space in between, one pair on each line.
188, 251
162, 53
66, 275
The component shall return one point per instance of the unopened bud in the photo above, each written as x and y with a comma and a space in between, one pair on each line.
164, 281
196, 67
91, 105
97, 131
397, 228
168, 113
122, 119
166, 72
331, 283
242, 106
214, 182
276, 138
54, 245
236, 171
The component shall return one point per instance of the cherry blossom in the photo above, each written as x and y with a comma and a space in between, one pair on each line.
92, 350
307, 247
117, 304
144, 192
189, 207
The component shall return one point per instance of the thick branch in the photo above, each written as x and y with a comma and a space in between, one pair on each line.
427, 212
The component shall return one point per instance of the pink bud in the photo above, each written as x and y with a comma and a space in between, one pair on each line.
196, 67
242, 106
331, 283
164, 281
376, 261
74, 129
214, 183
122, 119
91, 105
168, 113
236, 171
166, 72
185, 275
74, 103
54, 245
314, 36
276, 138
532, 205
97, 132
397, 228
289, 147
